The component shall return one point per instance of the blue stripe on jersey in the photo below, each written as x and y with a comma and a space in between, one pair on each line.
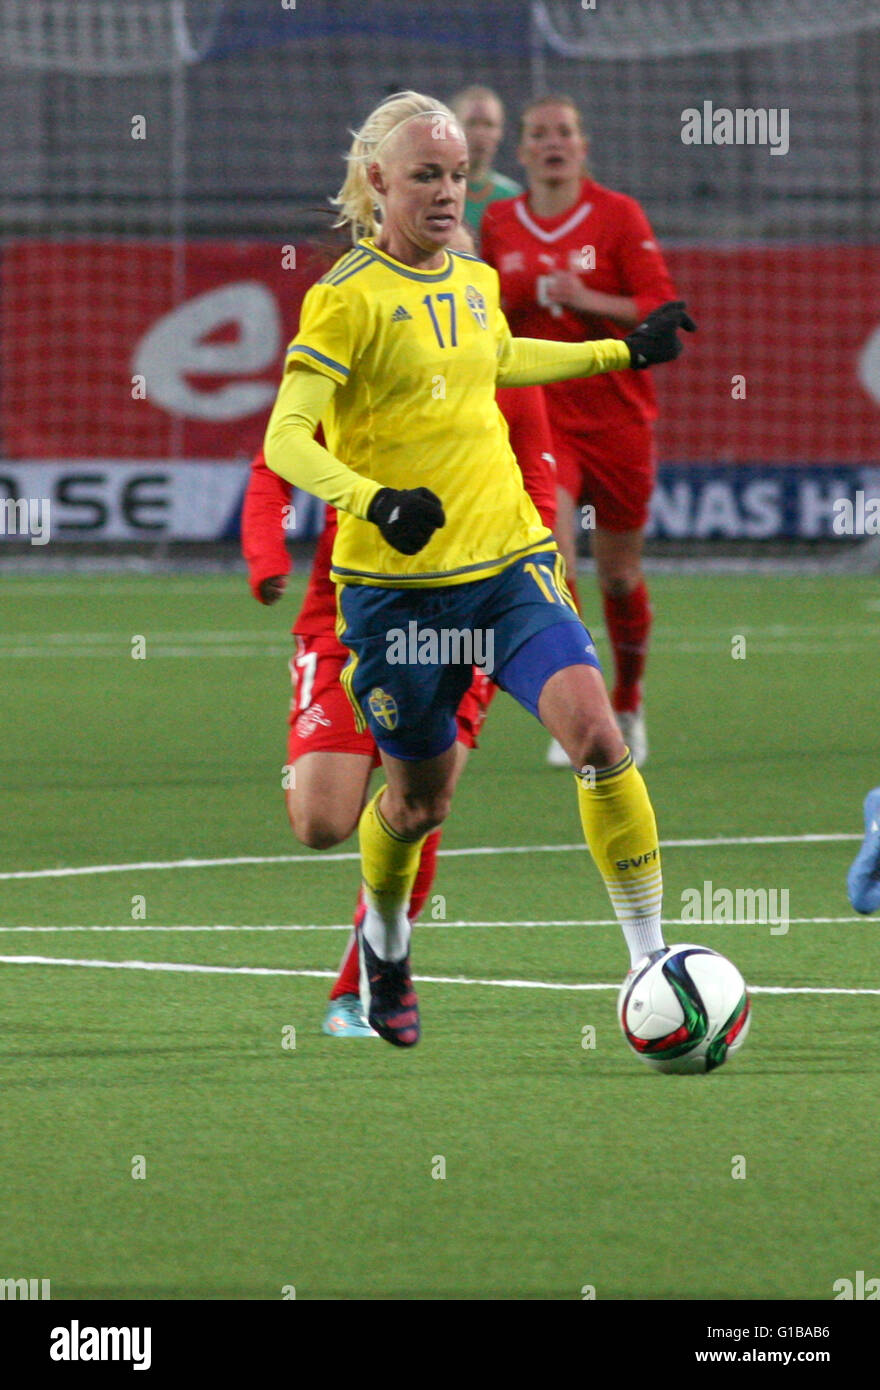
352, 270
334, 268
466, 256
430, 277
419, 580
319, 357
341, 267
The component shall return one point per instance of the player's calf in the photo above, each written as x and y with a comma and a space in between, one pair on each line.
418, 796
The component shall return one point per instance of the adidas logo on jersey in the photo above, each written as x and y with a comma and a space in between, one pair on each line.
400, 314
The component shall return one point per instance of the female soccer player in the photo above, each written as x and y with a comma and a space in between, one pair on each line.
398, 354
329, 762
577, 260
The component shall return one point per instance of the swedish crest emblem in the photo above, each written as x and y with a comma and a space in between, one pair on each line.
477, 305
383, 708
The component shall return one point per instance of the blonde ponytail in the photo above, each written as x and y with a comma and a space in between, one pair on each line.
358, 202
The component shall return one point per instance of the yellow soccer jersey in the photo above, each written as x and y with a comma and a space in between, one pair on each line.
415, 356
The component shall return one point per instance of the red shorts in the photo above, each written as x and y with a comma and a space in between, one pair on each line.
612, 470
321, 718
474, 704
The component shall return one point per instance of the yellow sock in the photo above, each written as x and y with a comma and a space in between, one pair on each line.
389, 865
621, 833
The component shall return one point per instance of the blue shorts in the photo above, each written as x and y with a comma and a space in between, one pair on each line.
413, 650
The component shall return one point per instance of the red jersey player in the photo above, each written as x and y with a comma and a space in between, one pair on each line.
576, 261
332, 762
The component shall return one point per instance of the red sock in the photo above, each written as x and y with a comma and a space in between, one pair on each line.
425, 876
348, 980
628, 620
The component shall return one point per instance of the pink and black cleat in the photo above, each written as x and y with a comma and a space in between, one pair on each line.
392, 1004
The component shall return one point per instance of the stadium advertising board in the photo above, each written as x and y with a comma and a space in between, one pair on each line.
165, 361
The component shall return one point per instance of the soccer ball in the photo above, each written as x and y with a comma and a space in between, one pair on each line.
685, 1011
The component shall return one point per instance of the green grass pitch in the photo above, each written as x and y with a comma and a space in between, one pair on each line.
317, 1167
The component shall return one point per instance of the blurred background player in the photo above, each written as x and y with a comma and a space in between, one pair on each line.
480, 113
332, 761
863, 880
576, 261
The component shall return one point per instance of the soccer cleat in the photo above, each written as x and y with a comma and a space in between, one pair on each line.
557, 756
631, 723
641, 965
345, 1019
863, 879
390, 1002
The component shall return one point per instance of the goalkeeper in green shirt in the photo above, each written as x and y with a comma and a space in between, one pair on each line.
480, 114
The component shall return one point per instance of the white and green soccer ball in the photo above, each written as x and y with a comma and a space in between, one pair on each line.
687, 1010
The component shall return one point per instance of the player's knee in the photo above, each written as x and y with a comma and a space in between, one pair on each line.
316, 833
595, 741
318, 828
617, 582
319, 835
419, 815
434, 811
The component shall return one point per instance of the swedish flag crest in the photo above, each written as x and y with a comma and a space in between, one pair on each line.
383, 708
477, 305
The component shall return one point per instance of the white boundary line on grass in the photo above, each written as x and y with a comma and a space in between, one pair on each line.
176, 967
435, 926
351, 856
259, 650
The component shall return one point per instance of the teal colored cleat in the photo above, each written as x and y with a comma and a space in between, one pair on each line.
345, 1019
863, 880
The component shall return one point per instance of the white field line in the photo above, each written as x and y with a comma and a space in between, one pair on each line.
774, 639
719, 633
122, 637
352, 856
420, 926
155, 651
204, 652
67, 581
175, 967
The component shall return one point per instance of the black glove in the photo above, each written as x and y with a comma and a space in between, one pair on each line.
654, 340
407, 519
